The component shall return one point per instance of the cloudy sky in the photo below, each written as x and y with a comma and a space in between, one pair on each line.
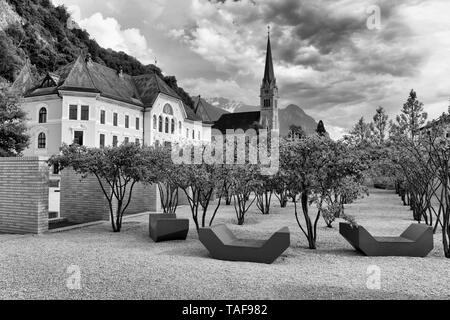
338, 60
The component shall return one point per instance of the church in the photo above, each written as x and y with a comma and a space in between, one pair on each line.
267, 117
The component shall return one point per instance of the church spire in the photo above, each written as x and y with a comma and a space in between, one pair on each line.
269, 75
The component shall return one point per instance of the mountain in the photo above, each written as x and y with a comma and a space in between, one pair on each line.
294, 115
45, 36
231, 106
291, 115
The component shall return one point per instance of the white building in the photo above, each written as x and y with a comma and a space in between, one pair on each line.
93, 105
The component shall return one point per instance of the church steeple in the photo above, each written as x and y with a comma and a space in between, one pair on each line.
269, 93
269, 75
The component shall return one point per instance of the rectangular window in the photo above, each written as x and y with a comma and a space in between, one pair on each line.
126, 140
102, 117
102, 140
138, 122
85, 113
127, 122
114, 141
115, 119
137, 141
73, 112
78, 137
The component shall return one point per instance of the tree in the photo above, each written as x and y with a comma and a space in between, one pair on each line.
166, 177
361, 133
412, 117
321, 129
296, 132
264, 191
281, 190
117, 170
302, 160
424, 165
13, 131
199, 182
244, 180
380, 122
439, 154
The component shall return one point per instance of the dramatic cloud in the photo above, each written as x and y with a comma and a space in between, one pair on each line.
327, 60
110, 34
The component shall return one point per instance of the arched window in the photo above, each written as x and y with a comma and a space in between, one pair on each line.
160, 124
155, 122
168, 109
167, 125
42, 141
172, 127
43, 115
180, 127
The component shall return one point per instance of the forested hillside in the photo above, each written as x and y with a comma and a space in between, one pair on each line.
37, 31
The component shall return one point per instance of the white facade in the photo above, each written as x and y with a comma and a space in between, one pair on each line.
88, 125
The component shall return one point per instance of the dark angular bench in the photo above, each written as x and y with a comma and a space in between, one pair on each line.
416, 241
222, 244
166, 227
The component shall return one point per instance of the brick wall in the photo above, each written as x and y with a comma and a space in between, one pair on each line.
144, 198
82, 200
23, 195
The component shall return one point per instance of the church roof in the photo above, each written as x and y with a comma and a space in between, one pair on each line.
206, 111
269, 74
241, 120
84, 75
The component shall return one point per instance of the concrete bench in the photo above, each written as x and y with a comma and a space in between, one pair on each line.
222, 244
166, 227
416, 241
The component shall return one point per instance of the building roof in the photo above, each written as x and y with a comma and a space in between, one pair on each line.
25, 80
84, 75
206, 111
241, 120
269, 74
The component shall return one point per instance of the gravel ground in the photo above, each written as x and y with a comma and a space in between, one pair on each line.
130, 266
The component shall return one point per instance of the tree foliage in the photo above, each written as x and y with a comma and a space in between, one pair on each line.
316, 167
412, 116
13, 131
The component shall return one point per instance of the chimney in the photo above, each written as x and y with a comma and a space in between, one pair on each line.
120, 72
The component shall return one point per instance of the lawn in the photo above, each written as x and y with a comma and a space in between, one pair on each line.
130, 266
